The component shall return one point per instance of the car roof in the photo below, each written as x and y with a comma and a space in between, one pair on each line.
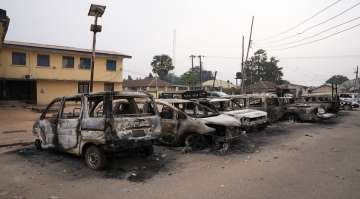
114, 93
171, 101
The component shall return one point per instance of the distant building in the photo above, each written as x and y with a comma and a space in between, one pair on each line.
326, 88
37, 73
293, 89
219, 85
152, 86
262, 87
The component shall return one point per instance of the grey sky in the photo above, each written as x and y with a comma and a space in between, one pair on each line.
144, 28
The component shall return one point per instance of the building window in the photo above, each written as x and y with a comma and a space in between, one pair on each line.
68, 62
83, 87
85, 63
18, 58
43, 60
111, 65
108, 86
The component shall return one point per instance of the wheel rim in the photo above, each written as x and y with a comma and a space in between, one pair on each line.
93, 159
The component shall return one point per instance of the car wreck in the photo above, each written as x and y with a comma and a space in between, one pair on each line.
187, 123
303, 112
250, 119
98, 124
331, 102
268, 103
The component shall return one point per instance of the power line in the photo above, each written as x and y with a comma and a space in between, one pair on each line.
296, 57
316, 25
319, 33
323, 38
306, 20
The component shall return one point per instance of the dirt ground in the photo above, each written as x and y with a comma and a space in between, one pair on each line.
284, 161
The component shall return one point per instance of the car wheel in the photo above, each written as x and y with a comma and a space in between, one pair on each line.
196, 142
38, 144
148, 150
95, 158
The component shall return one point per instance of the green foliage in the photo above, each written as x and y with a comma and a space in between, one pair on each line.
337, 79
162, 64
188, 78
261, 68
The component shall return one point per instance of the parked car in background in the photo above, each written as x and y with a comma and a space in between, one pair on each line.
304, 112
269, 103
250, 119
187, 123
331, 102
349, 100
217, 94
95, 125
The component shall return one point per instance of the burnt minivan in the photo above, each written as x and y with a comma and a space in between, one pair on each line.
98, 124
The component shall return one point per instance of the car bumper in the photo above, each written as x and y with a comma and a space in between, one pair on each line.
326, 116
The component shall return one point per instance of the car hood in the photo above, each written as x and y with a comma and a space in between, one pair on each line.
222, 119
248, 113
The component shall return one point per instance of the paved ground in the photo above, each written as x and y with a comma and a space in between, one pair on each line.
288, 161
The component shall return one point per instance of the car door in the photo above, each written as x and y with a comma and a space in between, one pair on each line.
169, 123
46, 126
68, 123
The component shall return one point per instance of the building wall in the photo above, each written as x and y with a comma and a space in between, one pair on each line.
47, 90
56, 71
322, 89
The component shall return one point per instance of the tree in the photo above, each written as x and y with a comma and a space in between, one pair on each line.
188, 78
162, 64
150, 76
337, 79
260, 68
129, 77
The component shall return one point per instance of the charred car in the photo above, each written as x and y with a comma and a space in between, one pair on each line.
269, 103
331, 102
187, 123
98, 124
250, 119
303, 112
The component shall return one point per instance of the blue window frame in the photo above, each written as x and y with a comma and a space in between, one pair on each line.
85, 63
68, 62
111, 65
43, 60
18, 58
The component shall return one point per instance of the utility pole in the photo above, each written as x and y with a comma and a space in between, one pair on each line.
213, 87
200, 62
192, 69
249, 44
356, 79
242, 66
174, 48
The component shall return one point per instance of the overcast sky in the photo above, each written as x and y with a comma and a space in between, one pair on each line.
214, 28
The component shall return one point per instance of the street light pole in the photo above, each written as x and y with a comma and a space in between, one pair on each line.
95, 11
93, 57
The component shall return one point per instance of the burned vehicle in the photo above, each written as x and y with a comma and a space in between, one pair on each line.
269, 103
331, 102
98, 124
303, 112
187, 123
349, 100
250, 119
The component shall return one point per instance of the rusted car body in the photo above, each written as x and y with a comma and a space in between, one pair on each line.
93, 125
187, 123
330, 102
269, 103
303, 112
250, 119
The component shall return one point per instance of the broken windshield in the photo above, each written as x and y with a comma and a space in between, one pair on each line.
195, 110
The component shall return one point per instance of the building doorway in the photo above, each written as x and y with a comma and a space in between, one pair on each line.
20, 90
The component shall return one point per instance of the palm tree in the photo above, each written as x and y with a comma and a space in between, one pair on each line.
162, 64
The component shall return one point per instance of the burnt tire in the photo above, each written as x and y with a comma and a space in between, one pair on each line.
196, 142
95, 158
148, 150
37, 144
